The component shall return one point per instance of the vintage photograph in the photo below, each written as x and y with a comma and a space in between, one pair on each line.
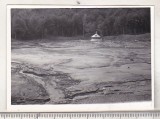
80, 55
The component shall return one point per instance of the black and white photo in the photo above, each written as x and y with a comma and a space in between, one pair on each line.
80, 55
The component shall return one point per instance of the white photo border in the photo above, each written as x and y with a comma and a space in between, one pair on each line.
131, 106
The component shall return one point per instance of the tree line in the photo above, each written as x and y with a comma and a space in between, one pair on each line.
68, 22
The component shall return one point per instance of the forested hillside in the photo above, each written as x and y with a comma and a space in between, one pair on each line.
66, 22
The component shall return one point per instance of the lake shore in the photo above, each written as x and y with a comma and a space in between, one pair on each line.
81, 72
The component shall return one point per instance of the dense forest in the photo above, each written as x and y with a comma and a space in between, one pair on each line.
68, 22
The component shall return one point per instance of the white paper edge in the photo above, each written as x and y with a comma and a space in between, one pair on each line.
131, 106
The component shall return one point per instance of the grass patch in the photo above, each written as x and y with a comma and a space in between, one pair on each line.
126, 37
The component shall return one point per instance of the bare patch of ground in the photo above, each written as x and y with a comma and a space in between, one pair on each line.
81, 71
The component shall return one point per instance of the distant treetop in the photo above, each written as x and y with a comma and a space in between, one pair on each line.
68, 22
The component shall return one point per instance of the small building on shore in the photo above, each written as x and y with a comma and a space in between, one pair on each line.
96, 37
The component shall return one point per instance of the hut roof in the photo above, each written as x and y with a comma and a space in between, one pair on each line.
96, 35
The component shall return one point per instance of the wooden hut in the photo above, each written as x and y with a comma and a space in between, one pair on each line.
96, 37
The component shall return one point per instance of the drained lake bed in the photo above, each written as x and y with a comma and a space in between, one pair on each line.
114, 70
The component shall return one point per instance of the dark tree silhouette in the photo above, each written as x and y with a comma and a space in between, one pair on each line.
40, 23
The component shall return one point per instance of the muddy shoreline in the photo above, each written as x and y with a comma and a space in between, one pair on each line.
80, 72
